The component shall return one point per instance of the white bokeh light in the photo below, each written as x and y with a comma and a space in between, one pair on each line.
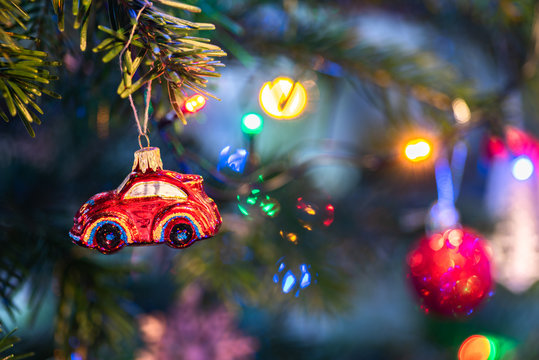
522, 168
252, 121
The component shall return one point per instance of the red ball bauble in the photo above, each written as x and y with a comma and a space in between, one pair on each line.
451, 272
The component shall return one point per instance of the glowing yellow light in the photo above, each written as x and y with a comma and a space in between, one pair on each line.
293, 238
309, 210
307, 226
461, 111
417, 150
476, 347
283, 98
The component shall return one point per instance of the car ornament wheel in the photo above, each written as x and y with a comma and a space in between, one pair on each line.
108, 237
177, 230
181, 235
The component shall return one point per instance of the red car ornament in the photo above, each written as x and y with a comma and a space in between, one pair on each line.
151, 206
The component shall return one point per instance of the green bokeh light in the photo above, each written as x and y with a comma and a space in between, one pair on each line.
267, 205
252, 124
493, 348
270, 206
487, 347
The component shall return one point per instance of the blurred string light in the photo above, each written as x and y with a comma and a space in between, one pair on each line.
511, 199
486, 347
269, 206
283, 98
458, 162
443, 213
418, 149
477, 347
515, 239
235, 161
290, 281
290, 236
461, 111
522, 168
444, 181
76, 356
252, 124
194, 103
244, 205
310, 214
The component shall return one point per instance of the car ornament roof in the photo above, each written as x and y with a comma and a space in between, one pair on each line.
147, 158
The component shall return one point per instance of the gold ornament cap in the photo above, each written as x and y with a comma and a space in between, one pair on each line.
147, 158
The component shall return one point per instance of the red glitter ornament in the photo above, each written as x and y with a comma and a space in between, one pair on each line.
151, 206
451, 272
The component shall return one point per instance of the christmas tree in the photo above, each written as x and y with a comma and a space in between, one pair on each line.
310, 145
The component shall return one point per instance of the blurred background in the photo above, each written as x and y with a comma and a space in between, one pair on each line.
345, 131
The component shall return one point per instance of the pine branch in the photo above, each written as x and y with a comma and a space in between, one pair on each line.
21, 265
90, 305
7, 343
23, 71
162, 47
165, 46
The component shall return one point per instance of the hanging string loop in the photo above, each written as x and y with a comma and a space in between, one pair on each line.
142, 129
140, 141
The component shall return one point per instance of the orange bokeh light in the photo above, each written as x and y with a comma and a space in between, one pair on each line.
476, 347
418, 149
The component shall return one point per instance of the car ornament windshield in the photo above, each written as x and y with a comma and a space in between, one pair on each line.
155, 188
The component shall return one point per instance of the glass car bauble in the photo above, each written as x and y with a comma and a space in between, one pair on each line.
151, 206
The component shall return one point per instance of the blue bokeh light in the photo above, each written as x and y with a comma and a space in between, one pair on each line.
522, 168
235, 161
305, 280
290, 281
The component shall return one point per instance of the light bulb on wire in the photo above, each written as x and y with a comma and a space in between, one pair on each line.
487, 347
417, 150
252, 124
522, 168
194, 103
477, 347
283, 98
